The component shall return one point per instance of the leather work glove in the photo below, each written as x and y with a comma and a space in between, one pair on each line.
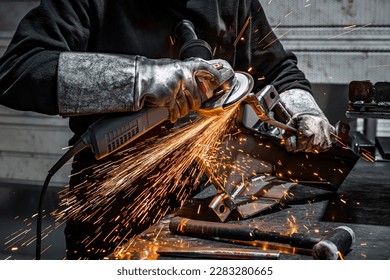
96, 83
174, 84
315, 133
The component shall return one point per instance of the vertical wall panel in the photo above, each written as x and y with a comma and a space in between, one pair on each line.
30, 143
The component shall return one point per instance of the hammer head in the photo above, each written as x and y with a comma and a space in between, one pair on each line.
338, 241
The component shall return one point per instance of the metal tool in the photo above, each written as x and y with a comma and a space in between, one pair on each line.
361, 145
219, 253
368, 100
339, 240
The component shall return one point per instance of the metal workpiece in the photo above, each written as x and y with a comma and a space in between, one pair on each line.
263, 103
254, 171
258, 174
361, 145
256, 195
222, 204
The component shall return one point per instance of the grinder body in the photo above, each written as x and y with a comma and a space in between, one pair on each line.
112, 132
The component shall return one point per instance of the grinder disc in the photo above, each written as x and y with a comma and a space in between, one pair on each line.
242, 85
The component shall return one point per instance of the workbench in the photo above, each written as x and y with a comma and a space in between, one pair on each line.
361, 203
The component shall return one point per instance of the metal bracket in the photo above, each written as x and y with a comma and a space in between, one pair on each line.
263, 102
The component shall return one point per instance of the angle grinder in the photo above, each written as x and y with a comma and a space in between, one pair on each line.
240, 86
112, 132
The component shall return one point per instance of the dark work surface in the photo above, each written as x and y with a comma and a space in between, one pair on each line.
361, 203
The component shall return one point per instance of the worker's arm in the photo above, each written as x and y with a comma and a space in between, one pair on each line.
92, 83
271, 64
47, 70
28, 69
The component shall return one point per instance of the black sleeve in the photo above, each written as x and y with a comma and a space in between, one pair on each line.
28, 67
270, 62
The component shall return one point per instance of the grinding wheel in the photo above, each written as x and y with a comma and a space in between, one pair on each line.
240, 87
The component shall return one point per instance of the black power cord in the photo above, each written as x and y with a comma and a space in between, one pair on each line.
80, 145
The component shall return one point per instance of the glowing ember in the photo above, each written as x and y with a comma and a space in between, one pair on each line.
173, 154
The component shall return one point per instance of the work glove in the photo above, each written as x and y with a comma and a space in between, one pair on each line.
314, 132
175, 84
96, 83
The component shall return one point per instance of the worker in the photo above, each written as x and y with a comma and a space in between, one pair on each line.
85, 58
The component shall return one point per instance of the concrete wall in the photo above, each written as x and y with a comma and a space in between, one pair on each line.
30, 143
336, 41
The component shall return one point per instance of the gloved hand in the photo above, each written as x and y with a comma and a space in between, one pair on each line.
315, 133
172, 83
95, 83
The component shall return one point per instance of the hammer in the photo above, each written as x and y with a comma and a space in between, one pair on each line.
339, 240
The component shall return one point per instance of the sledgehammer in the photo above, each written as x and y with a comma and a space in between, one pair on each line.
339, 240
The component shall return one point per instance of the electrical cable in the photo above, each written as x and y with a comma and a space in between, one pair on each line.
80, 145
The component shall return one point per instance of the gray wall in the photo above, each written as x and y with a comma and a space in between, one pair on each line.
30, 143
336, 41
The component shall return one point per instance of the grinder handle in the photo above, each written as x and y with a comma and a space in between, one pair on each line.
191, 46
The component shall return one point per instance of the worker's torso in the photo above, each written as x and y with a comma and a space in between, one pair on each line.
146, 27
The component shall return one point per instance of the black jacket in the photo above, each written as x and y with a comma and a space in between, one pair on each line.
29, 66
